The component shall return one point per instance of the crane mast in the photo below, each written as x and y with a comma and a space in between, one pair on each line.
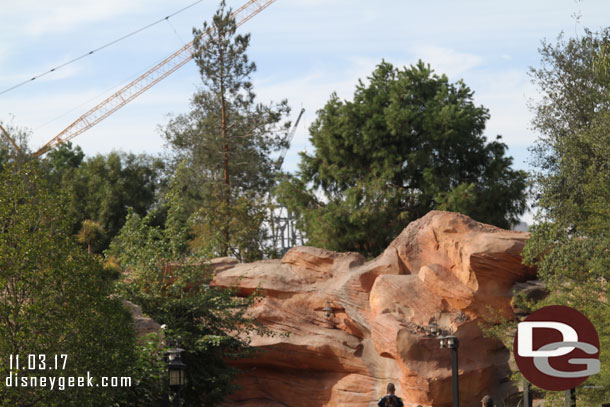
145, 81
289, 139
282, 223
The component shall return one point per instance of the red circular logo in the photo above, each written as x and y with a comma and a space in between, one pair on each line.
556, 348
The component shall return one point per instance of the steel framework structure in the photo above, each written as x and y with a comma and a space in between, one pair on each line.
145, 81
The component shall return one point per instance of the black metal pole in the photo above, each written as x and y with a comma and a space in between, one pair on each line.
527, 394
571, 398
454, 377
177, 398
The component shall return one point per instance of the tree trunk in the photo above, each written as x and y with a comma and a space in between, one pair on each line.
225, 148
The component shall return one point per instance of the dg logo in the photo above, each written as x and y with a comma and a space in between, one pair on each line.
557, 348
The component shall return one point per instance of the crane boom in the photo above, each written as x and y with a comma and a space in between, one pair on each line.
9, 138
145, 81
290, 137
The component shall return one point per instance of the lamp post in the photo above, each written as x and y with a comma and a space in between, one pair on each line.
175, 369
451, 342
327, 310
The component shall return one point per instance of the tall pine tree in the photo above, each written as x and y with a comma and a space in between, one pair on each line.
226, 142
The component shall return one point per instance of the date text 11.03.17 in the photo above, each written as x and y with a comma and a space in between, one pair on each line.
38, 362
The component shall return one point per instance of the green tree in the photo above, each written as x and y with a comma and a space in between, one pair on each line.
103, 187
62, 159
226, 141
409, 142
55, 299
90, 234
11, 136
570, 240
211, 324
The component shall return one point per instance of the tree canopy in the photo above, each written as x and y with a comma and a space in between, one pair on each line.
103, 187
570, 240
410, 141
225, 142
212, 324
55, 298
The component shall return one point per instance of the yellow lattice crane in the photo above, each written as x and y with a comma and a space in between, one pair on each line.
144, 81
10, 139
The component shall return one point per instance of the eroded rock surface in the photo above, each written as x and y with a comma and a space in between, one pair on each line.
444, 267
143, 324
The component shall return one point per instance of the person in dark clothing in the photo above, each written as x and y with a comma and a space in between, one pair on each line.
390, 399
487, 402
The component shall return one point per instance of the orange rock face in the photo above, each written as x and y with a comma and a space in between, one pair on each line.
444, 268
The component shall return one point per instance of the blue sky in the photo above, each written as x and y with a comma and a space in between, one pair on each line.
304, 50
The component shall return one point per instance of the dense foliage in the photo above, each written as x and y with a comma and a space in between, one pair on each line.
212, 324
11, 135
118, 204
55, 299
103, 187
225, 142
409, 141
570, 240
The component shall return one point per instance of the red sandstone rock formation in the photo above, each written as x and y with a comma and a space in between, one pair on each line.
143, 324
444, 267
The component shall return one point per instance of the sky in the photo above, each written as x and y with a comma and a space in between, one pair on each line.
304, 50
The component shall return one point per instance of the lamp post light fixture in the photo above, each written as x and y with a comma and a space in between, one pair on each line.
175, 368
450, 342
327, 310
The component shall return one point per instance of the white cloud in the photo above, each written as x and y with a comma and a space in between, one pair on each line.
504, 90
448, 61
315, 46
48, 113
3, 52
506, 94
36, 18
311, 91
